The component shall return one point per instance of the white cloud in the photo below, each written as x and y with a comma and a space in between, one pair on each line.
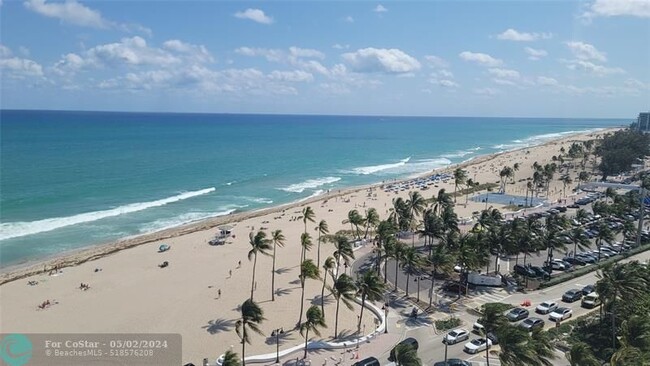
17, 67
504, 82
380, 9
611, 8
535, 54
341, 47
255, 15
599, 70
273, 55
544, 80
436, 62
514, 35
486, 91
445, 83
504, 73
585, 51
381, 60
348, 19
334, 88
74, 13
291, 76
198, 52
480, 58
306, 52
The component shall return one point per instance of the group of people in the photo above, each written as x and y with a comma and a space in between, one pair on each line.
46, 304
84, 286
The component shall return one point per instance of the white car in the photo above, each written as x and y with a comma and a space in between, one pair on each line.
558, 264
477, 345
546, 307
455, 336
478, 327
561, 314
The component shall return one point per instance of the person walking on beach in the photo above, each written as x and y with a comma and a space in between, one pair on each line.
219, 293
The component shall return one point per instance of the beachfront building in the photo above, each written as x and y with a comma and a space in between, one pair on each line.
643, 122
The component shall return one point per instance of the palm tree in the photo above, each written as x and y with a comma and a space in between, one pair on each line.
315, 320
406, 355
354, 219
470, 184
398, 255
635, 342
371, 288
278, 240
619, 282
322, 229
440, 258
515, 168
343, 250
307, 215
230, 358
328, 267
610, 193
581, 355
308, 270
390, 248
459, 179
306, 244
415, 204
529, 187
251, 317
504, 174
492, 319
343, 289
566, 180
259, 244
578, 238
371, 220
442, 200
604, 234
411, 263
515, 348
543, 350
582, 177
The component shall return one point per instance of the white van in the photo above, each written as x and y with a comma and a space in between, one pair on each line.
591, 301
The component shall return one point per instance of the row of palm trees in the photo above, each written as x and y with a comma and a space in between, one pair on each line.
343, 288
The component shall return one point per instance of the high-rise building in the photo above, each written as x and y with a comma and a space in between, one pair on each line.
643, 122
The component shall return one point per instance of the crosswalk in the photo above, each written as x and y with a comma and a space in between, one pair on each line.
476, 301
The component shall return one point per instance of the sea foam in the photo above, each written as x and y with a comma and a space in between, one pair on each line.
365, 170
18, 229
309, 184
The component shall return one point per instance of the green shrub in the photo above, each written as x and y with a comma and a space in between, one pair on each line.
448, 324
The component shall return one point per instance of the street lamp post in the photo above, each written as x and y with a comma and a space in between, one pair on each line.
276, 333
385, 309
446, 352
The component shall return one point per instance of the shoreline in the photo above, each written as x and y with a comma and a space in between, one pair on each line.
79, 256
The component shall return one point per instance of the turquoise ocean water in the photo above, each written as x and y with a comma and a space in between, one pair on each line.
74, 179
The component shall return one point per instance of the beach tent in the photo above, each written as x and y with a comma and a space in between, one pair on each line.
164, 248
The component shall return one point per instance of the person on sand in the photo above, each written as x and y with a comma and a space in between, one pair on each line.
219, 293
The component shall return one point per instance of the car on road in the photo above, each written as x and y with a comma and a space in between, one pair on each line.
590, 301
453, 362
560, 314
588, 289
455, 336
370, 361
532, 323
408, 341
572, 295
477, 345
546, 307
517, 314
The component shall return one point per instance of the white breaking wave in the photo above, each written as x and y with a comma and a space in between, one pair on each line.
315, 194
257, 199
458, 154
18, 229
540, 139
419, 167
365, 170
309, 183
185, 218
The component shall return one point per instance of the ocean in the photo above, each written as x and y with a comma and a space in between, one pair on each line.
70, 180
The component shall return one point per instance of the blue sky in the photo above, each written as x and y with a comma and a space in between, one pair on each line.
445, 58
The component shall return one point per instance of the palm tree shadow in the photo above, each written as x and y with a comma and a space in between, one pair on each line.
219, 325
295, 282
282, 270
283, 291
317, 300
346, 335
282, 338
400, 303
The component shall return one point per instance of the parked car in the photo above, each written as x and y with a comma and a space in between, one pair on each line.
576, 261
477, 345
588, 289
572, 295
540, 272
560, 314
453, 362
408, 341
546, 307
455, 336
370, 361
477, 327
517, 314
524, 271
590, 301
532, 323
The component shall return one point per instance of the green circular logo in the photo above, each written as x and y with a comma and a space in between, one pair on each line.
15, 349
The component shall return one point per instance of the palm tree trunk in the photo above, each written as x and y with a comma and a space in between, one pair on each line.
487, 351
253, 280
386, 269
322, 295
306, 339
363, 305
431, 288
408, 278
273, 276
243, 349
336, 320
318, 254
396, 268
302, 300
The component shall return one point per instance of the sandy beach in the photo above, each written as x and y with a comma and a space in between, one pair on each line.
129, 293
